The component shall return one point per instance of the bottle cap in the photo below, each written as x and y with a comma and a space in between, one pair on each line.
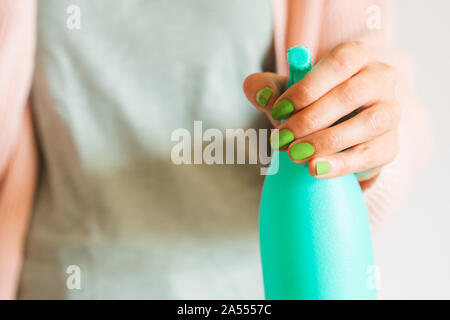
299, 58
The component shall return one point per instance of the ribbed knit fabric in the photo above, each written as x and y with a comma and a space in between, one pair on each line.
320, 24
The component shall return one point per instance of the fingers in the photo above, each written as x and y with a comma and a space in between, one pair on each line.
365, 88
341, 64
365, 126
357, 159
342, 116
262, 89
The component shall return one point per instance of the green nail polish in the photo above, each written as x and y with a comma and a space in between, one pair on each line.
322, 167
302, 150
282, 109
281, 139
263, 96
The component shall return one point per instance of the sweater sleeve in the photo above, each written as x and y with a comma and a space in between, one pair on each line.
18, 160
324, 25
371, 21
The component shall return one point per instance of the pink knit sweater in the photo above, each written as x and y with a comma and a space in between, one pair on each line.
321, 24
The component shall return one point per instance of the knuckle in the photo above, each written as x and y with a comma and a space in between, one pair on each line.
352, 91
344, 54
342, 57
343, 163
304, 93
378, 121
367, 157
360, 47
333, 142
390, 73
308, 121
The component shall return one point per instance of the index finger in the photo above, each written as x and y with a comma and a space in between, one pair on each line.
342, 63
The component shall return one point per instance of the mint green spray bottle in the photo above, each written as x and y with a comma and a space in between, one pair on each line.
314, 233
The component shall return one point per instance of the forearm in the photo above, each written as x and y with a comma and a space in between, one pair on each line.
17, 42
16, 198
18, 161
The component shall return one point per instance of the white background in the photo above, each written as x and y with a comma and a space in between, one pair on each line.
413, 250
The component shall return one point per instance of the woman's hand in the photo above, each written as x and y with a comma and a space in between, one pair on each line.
348, 81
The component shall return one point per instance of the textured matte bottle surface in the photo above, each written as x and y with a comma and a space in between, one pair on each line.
315, 236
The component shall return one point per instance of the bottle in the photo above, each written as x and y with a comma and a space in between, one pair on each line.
315, 235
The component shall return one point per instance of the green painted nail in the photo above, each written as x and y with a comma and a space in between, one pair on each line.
300, 151
282, 109
281, 139
322, 167
263, 96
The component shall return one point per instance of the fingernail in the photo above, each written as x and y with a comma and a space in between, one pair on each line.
302, 150
281, 139
282, 109
322, 167
263, 96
